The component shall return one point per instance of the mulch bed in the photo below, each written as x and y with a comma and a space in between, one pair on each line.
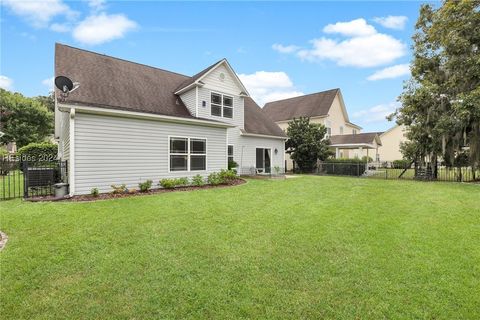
105, 196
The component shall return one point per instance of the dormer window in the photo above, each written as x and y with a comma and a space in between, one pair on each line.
221, 105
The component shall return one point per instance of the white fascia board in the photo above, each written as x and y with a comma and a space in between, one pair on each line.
353, 145
142, 115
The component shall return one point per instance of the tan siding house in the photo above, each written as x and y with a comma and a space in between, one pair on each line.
391, 139
327, 108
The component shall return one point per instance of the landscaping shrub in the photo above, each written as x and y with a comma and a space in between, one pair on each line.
94, 192
232, 164
365, 158
145, 186
214, 179
181, 182
119, 189
168, 183
401, 164
38, 152
227, 176
198, 180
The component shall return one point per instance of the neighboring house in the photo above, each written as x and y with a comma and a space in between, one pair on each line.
327, 108
391, 139
129, 122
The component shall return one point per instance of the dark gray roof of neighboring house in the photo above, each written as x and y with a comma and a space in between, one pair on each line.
368, 137
310, 105
119, 84
194, 78
258, 122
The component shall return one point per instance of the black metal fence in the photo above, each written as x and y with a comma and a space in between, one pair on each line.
30, 179
387, 170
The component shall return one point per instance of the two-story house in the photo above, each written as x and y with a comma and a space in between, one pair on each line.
327, 108
129, 122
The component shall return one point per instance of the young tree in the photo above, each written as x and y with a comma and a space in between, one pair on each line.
23, 120
306, 143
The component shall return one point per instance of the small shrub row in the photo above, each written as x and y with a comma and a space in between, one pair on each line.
215, 178
145, 186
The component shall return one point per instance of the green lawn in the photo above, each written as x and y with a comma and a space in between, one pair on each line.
309, 247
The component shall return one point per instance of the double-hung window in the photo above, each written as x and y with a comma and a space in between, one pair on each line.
230, 153
221, 105
188, 154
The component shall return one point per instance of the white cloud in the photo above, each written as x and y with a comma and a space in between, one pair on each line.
101, 28
97, 5
377, 113
49, 83
285, 49
390, 72
357, 27
392, 22
6, 83
60, 27
39, 13
363, 47
266, 86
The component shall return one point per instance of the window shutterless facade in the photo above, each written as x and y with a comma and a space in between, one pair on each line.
187, 154
221, 105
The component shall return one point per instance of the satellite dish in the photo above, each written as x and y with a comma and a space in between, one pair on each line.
64, 84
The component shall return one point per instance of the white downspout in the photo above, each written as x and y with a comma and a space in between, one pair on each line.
71, 160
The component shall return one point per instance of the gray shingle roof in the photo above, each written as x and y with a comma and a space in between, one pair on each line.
119, 84
310, 105
367, 137
258, 122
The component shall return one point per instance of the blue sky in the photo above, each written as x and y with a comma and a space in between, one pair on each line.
280, 49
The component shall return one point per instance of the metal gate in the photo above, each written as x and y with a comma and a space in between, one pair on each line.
25, 179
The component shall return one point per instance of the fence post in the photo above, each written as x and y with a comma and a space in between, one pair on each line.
25, 178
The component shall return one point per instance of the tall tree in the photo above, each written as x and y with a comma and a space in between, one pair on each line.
23, 119
47, 101
306, 143
441, 102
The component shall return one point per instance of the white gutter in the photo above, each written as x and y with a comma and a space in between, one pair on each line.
142, 115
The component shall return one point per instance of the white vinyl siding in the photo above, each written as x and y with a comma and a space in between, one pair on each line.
116, 150
244, 149
189, 99
64, 135
228, 86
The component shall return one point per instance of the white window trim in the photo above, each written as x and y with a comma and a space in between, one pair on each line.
221, 105
188, 154
233, 152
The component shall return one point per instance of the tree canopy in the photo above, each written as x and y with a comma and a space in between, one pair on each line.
441, 102
23, 120
306, 143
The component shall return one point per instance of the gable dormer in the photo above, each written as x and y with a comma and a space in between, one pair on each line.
215, 93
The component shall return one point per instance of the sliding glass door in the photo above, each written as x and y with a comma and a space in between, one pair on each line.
263, 157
